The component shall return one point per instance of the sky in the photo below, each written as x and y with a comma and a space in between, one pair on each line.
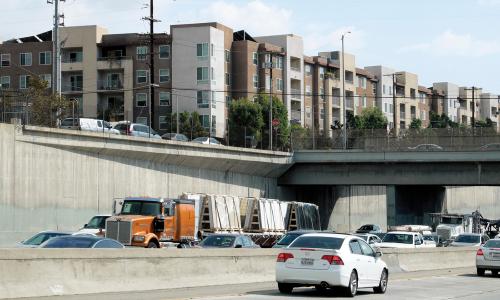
439, 40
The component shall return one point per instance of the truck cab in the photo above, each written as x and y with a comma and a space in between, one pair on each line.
149, 222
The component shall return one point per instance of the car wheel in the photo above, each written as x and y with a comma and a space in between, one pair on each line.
152, 245
285, 288
480, 272
382, 286
320, 289
352, 289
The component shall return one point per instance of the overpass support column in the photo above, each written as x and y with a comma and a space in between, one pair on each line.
391, 205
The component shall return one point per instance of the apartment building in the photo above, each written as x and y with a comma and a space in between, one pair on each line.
366, 90
469, 99
385, 100
451, 103
424, 105
489, 107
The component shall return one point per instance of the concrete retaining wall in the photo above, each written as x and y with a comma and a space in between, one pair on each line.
468, 199
46, 272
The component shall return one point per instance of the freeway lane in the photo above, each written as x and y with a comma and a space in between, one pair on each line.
441, 284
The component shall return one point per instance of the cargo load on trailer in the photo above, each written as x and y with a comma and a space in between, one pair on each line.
154, 222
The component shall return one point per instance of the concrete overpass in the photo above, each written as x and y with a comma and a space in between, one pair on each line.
480, 168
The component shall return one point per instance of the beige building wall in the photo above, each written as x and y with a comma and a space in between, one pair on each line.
86, 38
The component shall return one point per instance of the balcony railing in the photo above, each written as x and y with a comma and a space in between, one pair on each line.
402, 115
72, 87
295, 93
109, 85
295, 68
113, 58
336, 101
349, 103
296, 115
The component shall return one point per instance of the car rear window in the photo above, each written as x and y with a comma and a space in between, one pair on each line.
492, 244
317, 242
472, 239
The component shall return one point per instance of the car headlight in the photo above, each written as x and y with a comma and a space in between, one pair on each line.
139, 238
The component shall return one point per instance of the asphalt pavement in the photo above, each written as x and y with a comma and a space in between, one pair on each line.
460, 284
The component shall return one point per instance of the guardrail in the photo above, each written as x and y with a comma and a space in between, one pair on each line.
49, 272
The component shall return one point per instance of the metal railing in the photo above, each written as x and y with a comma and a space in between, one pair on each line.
295, 93
109, 85
72, 88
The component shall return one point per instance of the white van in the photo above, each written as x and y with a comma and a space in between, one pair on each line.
87, 124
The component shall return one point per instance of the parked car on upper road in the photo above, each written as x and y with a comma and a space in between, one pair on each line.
204, 141
81, 241
289, 237
488, 257
175, 137
88, 124
136, 129
426, 147
96, 226
326, 260
227, 241
40, 238
469, 240
403, 239
371, 239
490, 147
369, 228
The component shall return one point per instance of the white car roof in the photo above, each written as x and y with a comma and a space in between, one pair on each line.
403, 232
331, 235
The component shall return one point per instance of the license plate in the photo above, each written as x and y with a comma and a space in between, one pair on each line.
307, 261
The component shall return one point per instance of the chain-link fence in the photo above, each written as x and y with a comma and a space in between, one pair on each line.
429, 139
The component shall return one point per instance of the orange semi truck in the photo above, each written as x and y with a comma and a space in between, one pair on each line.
157, 222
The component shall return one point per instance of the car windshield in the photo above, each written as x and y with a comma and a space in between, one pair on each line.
492, 244
143, 208
73, 242
200, 139
317, 242
451, 220
398, 238
428, 238
98, 222
222, 241
288, 238
40, 238
465, 238
366, 227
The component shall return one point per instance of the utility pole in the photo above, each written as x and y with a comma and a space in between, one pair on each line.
343, 93
56, 53
394, 103
270, 103
473, 110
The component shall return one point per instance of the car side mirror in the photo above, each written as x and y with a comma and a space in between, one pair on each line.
85, 226
378, 253
238, 246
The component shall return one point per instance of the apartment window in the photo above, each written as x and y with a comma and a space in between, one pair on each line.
321, 73
142, 76
412, 93
164, 99
5, 82
308, 90
422, 115
163, 122
391, 106
47, 78
322, 93
5, 60
279, 62
227, 56
24, 81
322, 113
383, 89
45, 58
364, 101
228, 79
142, 120
164, 51
279, 84
268, 82
267, 58
228, 100
164, 75
256, 81
308, 70
202, 74
142, 52
255, 58
385, 107
75, 83
205, 121
141, 100
202, 98
308, 112
362, 82
202, 50
25, 59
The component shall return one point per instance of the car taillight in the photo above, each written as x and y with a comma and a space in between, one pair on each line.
333, 260
283, 257
479, 252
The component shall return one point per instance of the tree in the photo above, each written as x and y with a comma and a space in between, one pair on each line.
372, 118
245, 119
46, 109
280, 112
189, 125
416, 124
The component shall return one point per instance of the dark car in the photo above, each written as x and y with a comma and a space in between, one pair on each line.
175, 137
81, 241
40, 238
227, 241
369, 228
289, 237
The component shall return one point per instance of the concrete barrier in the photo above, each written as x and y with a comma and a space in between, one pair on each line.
48, 272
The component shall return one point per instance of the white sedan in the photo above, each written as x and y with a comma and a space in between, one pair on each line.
488, 257
325, 260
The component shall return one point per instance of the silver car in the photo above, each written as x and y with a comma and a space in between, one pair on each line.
206, 141
469, 240
136, 129
488, 257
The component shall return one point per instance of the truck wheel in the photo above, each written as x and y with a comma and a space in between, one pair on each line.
152, 245
285, 288
480, 272
382, 287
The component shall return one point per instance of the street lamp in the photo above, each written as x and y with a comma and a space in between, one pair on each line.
343, 92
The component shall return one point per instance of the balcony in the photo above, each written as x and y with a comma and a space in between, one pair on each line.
295, 93
72, 88
336, 101
402, 115
109, 85
349, 103
296, 115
